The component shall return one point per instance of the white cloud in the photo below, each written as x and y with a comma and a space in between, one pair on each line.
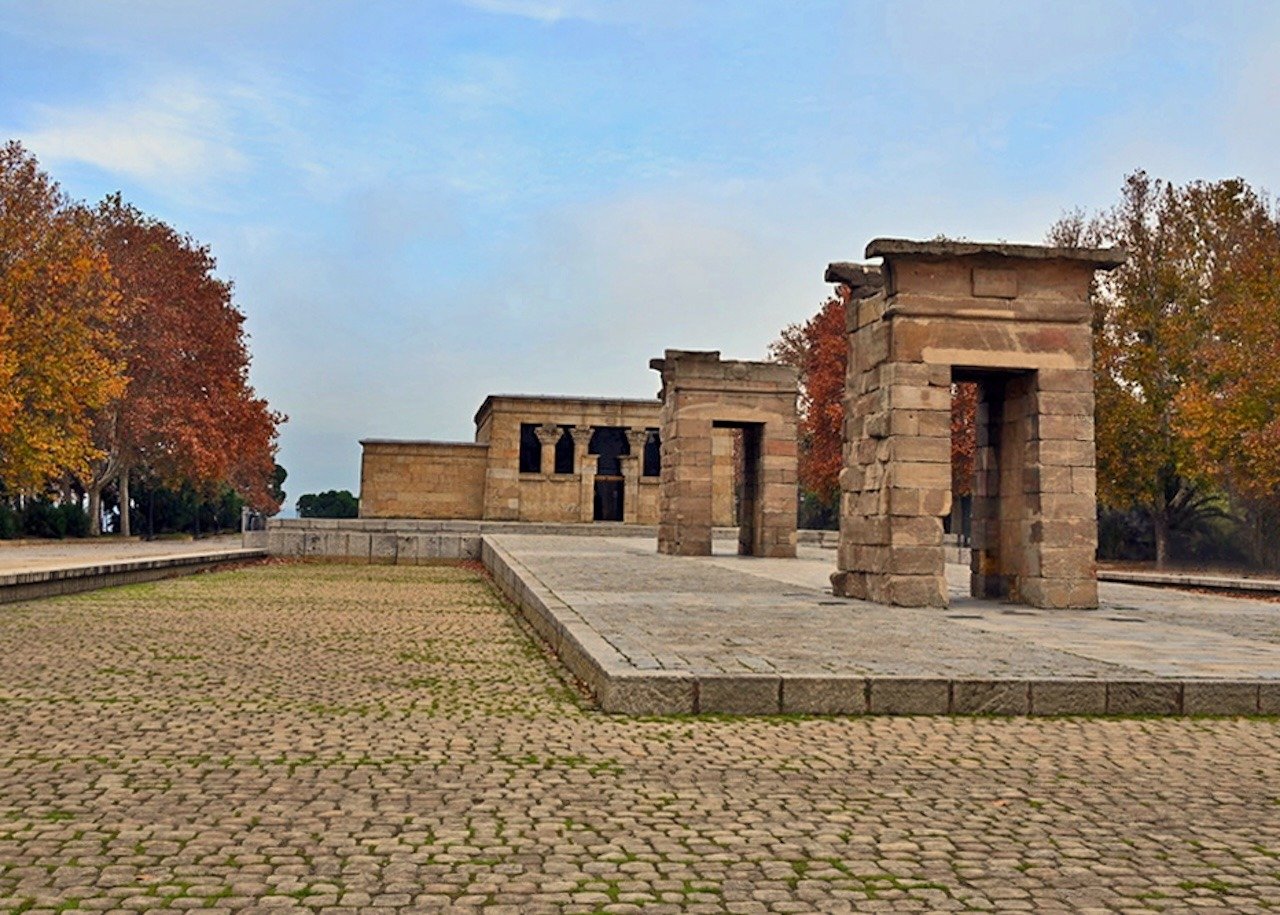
174, 134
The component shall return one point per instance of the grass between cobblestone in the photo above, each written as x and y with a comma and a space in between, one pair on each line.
336, 738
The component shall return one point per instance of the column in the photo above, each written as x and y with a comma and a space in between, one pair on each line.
632, 466
586, 468
548, 434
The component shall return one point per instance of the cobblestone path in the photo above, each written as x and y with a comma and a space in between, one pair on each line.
341, 738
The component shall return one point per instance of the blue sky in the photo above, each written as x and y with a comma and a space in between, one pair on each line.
422, 203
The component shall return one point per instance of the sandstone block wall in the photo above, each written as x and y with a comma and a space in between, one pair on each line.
422, 479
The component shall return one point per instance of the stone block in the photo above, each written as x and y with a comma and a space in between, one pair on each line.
990, 697
824, 695
849, 583
1071, 381
647, 694
916, 560
1269, 697
1143, 697
1219, 697
900, 696
382, 548
739, 695
1068, 697
407, 549
1060, 594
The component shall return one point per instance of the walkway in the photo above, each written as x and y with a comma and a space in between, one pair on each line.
727, 633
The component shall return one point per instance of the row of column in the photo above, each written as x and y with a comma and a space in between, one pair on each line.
549, 434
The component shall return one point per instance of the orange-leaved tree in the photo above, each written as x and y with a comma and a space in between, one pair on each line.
1182, 330
818, 351
58, 304
188, 414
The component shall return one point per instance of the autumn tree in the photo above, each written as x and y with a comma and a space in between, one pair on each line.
1178, 334
818, 351
58, 302
188, 414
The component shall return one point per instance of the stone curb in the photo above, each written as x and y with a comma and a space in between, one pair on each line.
20, 586
1191, 580
620, 688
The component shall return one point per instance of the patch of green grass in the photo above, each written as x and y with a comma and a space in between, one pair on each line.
1213, 885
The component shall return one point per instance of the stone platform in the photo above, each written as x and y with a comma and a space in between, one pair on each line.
653, 634
47, 569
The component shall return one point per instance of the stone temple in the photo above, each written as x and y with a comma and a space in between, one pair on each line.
545, 459
719, 448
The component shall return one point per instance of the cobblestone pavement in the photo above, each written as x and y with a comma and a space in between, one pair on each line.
343, 738
730, 614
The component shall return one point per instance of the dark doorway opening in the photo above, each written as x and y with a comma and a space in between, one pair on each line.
608, 499
608, 443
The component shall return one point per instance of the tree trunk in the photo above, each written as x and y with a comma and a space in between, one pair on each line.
124, 502
1160, 522
95, 509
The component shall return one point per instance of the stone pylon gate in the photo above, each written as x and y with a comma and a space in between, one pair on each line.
700, 392
1016, 320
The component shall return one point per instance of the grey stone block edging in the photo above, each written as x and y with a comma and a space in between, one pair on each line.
1191, 580
20, 586
620, 688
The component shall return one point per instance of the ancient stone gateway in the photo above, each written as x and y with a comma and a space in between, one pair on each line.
1016, 320
701, 393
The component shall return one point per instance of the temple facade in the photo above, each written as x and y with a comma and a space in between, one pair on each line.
546, 459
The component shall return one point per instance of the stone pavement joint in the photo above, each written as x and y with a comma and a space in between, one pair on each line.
652, 634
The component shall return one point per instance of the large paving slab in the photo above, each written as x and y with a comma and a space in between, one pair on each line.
338, 738
651, 633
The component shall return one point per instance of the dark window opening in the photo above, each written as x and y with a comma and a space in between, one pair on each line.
530, 449
564, 451
652, 454
609, 443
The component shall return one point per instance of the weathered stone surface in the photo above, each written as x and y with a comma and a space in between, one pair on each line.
1103, 258
1269, 698
818, 695
745, 695
1068, 697
991, 697
481, 480
1208, 697
894, 696
1143, 697
648, 695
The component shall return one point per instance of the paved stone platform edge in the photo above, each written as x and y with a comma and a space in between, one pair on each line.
1191, 580
620, 688
38, 583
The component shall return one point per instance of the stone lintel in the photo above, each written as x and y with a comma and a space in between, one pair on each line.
889, 248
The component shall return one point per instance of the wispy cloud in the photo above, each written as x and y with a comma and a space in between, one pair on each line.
173, 134
615, 11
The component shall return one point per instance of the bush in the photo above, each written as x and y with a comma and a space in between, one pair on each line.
10, 522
